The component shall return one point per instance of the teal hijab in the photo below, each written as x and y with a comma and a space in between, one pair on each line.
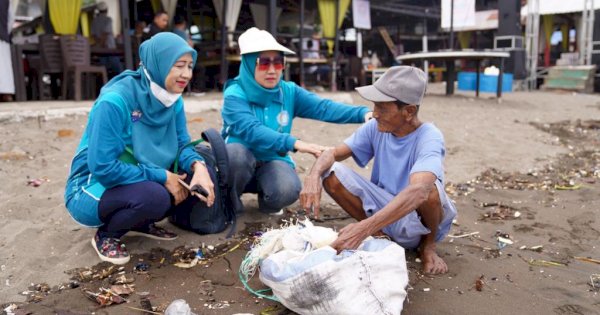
256, 94
153, 131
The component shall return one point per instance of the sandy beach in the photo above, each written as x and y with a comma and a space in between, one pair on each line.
526, 169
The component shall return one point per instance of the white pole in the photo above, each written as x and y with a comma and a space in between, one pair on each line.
590, 34
358, 43
425, 49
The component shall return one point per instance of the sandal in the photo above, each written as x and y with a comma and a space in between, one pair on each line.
111, 250
154, 232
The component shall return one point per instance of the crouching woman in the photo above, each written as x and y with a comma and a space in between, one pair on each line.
120, 179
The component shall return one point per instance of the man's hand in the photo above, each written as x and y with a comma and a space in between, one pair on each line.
202, 177
172, 184
351, 236
311, 148
310, 196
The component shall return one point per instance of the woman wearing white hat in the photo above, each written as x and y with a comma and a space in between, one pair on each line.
257, 115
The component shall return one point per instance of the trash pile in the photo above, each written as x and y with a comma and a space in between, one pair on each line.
578, 167
499, 211
36, 292
309, 277
106, 284
292, 235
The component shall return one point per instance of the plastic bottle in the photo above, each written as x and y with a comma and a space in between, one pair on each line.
179, 307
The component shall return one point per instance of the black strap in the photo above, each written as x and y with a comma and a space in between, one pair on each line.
222, 159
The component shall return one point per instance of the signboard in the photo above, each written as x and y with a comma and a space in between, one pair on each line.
361, 14
464, 13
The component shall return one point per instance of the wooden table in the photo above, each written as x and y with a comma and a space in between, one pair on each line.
295, 60
306, 60
217, 61
451, 55
103, 52
288, 61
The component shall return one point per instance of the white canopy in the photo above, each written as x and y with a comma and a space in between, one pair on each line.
231, 16
484, 20
260, 14
169, 6
560, 6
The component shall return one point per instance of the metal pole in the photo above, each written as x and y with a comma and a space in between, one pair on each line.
500, 77
224, 71
589, 32
451, 25
301, 50
335, 48
583, 36
478, 67
359, 46
19, 74
125, 33
450, 76
531, 42
425, 47
188, 4
272, 18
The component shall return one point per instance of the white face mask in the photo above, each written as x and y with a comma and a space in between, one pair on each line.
165, 97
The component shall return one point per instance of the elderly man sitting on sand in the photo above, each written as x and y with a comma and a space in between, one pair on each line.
405, 197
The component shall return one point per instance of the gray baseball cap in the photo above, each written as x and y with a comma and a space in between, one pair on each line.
400, 83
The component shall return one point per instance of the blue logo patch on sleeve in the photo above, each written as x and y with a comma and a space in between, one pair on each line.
136, 115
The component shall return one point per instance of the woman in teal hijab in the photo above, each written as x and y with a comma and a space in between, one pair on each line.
258, 111
120, 179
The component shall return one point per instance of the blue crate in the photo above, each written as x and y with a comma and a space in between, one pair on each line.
466, 81
487, 83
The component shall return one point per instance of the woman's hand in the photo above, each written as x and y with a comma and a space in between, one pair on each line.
172, 184
202, 178
305, 147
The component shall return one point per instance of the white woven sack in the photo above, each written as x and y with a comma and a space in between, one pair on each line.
370, 280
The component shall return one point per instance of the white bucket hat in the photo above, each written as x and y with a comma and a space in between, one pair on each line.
255, 40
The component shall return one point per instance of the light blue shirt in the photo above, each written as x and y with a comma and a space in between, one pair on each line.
396, 158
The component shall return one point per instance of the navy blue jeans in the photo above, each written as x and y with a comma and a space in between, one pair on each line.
128, 207
275, 182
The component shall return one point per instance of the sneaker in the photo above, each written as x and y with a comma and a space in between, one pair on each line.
276, 214
154, 232
111, 250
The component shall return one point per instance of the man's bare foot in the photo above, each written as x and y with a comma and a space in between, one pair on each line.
432, 263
